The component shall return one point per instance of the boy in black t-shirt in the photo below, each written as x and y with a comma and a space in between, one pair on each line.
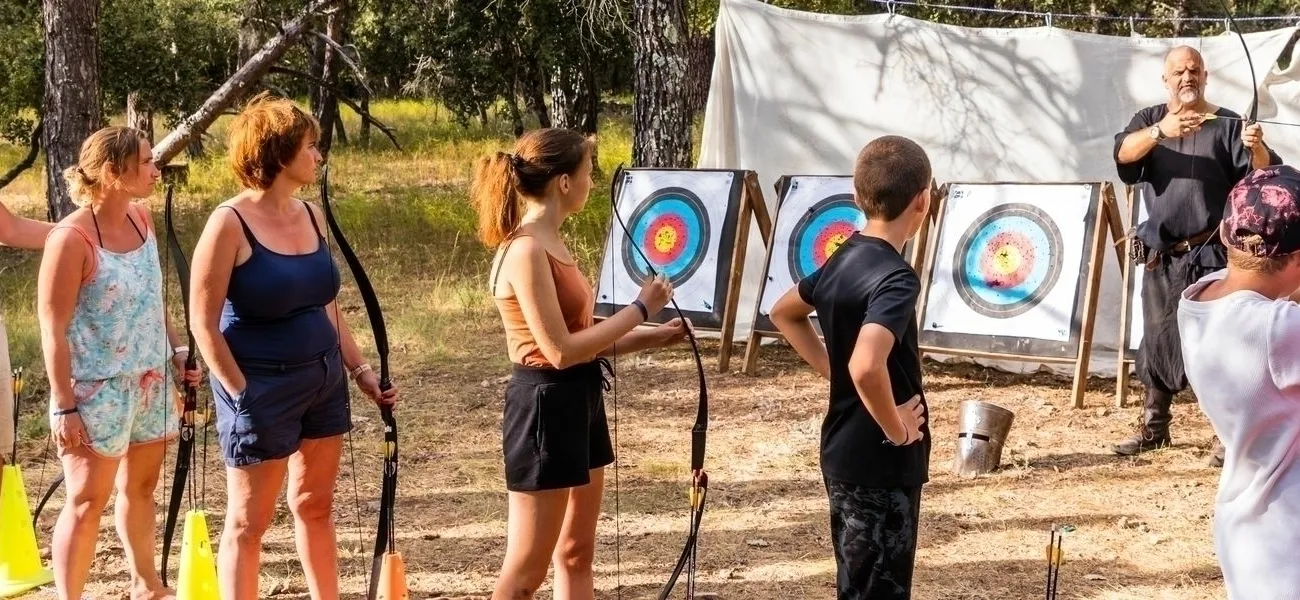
875, 446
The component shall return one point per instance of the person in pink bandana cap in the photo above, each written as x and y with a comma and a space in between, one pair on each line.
1240, 330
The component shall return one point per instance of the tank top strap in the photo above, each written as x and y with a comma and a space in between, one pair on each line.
312, 217
502, 260
248, 233
85, 236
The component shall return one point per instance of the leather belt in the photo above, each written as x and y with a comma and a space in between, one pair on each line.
1196, 240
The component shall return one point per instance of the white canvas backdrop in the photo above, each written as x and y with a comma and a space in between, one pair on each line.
695, 293
796, 92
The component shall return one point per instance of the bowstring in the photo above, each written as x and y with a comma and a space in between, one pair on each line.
618, 562
352, 456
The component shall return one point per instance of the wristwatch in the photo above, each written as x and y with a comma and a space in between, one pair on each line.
1155, 133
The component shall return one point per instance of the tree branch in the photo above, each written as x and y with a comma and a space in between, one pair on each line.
233, 89
28, 160
364, 114
340, 51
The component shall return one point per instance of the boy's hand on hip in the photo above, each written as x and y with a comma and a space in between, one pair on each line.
912, 414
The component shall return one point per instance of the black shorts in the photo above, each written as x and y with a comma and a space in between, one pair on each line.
554, 430
280, 406
873, 531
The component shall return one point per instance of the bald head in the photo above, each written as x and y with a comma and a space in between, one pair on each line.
1181, 54
1184, 76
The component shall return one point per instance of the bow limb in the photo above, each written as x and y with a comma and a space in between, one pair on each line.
385, 538
1254, 85
185, 447
699, 431
40, 506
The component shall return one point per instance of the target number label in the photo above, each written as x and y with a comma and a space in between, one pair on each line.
1008, 260
671, 228
820, 232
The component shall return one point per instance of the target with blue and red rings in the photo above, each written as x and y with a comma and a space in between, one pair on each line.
1008, 260
820, 231
671, 228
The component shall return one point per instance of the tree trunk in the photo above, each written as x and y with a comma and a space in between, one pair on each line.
339, 131
701, 71
233, 89
250, 39
576, 103
534, 92
328, 111
138, 116
71, 102
661, 121
365, 125
562, 97
516, 117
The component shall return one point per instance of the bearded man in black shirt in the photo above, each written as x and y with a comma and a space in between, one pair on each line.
1183, 163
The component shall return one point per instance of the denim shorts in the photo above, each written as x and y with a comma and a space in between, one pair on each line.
281, 405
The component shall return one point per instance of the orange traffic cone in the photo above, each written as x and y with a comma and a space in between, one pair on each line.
20, 561
392, 577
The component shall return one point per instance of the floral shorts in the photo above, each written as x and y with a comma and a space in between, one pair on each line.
125, 410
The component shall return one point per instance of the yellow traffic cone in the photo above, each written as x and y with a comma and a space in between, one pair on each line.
392, 577
198, 572
20, 561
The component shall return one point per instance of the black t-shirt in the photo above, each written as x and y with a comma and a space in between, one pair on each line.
1185, 181
867, 281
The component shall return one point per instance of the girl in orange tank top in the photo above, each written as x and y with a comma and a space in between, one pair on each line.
555, 439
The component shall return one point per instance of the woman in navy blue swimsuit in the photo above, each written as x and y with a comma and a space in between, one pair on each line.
265, 319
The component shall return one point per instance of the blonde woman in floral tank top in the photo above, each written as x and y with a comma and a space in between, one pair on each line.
107, 341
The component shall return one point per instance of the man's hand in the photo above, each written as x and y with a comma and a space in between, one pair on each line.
1178, 123
1252, 137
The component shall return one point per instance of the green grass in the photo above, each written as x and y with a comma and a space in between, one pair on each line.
405, 213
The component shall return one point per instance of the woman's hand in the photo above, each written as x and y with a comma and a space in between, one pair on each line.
368, 383
672, 332
190, 377
68, 431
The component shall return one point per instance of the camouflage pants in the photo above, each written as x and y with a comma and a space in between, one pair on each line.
873, 531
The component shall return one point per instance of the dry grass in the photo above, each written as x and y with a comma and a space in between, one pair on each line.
1143, 525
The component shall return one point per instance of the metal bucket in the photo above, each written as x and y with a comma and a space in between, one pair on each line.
982, 429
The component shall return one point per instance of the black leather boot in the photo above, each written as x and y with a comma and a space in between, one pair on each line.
1153, 432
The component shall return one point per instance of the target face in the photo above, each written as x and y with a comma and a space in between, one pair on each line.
1008, 260
671, 229
820, 231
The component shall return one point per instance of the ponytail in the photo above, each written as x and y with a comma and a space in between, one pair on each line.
115, 146
495, 198
501, 181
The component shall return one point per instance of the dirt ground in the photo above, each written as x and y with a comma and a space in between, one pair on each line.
1142, 526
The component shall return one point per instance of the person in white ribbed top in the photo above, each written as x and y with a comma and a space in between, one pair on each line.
1240, 330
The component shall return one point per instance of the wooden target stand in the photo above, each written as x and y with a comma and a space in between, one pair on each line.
758, 331
1129, 273
1105, 217
751, 208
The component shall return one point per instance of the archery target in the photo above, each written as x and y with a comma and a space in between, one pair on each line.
676, 222
816, 214
820, 231
1008, 261
671, 230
